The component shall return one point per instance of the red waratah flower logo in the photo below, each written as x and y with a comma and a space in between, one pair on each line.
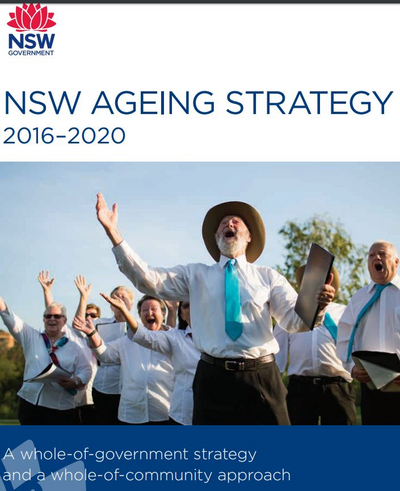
31, 18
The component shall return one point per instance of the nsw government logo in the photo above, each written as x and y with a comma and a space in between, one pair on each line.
32, 22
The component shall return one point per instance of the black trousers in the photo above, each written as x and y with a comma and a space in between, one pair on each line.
249, 397
379, 408
106, 407
31, 414
327, 404
86, 415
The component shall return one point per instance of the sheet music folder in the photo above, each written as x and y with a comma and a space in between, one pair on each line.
316, 273
382, 368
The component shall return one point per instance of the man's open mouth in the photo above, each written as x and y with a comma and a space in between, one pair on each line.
378, 267
229, 234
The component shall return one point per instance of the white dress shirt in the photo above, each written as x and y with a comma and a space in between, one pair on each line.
71, 357
147, 380
312, 353
107, 378
379, 328
178, 344
84, 396
263, 292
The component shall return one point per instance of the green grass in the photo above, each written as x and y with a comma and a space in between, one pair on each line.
9, 422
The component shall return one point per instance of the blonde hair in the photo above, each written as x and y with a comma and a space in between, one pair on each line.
125, 289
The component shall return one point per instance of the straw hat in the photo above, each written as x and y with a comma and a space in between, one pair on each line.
251, 218
336, 280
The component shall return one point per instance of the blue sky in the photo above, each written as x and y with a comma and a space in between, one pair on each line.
48, 218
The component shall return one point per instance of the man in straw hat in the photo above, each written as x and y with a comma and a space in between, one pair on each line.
231, 302
319, 386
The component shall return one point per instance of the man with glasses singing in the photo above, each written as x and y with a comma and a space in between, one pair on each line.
47, 402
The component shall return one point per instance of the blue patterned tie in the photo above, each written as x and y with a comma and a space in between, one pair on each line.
378, 290
330, 324
233, 311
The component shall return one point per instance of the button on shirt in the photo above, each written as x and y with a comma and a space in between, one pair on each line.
108, 374
263, 292
312, 353
178, 344
71, 357
146, 377
379, 328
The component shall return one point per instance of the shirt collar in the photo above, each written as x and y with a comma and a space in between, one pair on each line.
240, 259
395, 281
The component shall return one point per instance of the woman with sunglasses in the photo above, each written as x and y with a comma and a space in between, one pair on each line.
85, 409
93, 311
178, 345
48, 401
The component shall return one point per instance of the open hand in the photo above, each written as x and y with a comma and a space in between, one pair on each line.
80, 283
45, 281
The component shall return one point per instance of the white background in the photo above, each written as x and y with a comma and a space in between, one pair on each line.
218, 48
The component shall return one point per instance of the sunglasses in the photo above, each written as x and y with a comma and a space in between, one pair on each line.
185, 305
50, 316
93, 316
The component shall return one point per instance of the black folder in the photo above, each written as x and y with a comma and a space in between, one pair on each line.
318, 267
382, 368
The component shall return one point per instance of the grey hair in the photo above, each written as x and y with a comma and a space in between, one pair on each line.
59, 306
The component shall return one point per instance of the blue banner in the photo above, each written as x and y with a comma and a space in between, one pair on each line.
246, 457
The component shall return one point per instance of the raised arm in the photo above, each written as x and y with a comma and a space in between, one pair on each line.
84, 291
47, 285
3, 306
109, 219
172, 312
120, 305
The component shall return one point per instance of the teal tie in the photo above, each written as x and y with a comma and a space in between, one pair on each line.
233, 314
378, 290
330, 324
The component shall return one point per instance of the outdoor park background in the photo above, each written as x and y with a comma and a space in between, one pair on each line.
48, 218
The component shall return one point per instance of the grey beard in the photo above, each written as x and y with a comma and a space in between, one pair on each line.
233, 248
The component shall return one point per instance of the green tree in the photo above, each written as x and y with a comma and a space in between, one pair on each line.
350, 259
11, 375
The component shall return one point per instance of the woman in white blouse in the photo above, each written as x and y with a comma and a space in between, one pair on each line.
146, 376
48, 401
177, 344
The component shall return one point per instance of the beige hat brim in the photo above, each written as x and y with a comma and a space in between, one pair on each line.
336, 280
248, 214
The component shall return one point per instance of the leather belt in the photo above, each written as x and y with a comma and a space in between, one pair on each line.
236, 364
319, 380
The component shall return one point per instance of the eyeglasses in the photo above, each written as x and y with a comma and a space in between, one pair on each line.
50, 316
92, 315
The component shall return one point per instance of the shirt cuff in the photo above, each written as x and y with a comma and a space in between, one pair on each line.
100, 350
122, 250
